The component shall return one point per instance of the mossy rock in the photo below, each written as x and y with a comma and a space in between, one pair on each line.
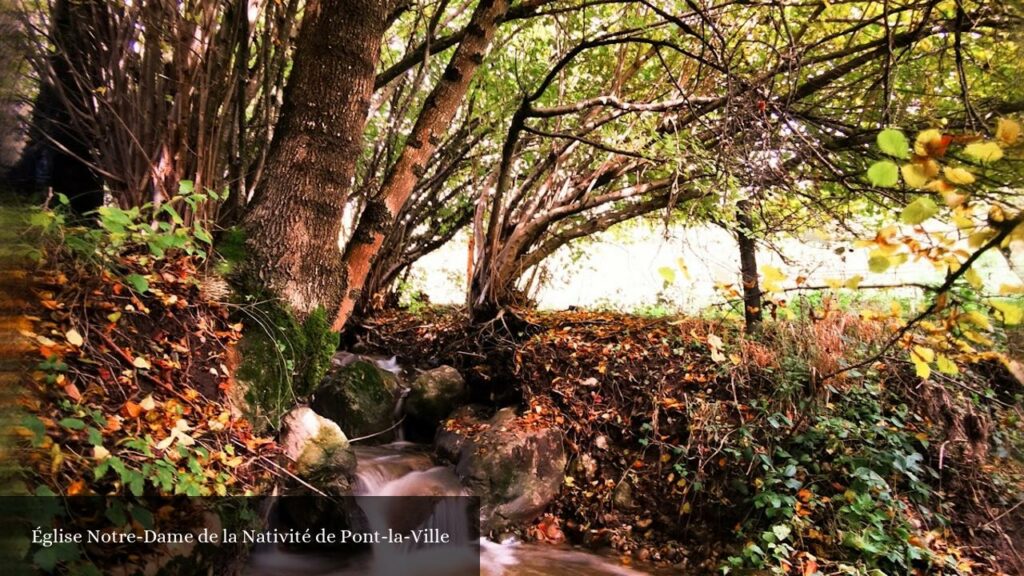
282, 359
319, 450
516, 468
433, 396
360, 397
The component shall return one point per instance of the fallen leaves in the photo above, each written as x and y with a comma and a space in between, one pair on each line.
116, 385
74, 338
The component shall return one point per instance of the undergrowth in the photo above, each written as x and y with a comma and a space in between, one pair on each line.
700, 446
127, 394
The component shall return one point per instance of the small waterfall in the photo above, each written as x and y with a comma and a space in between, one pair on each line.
399, 486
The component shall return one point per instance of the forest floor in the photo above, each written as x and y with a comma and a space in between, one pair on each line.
690, 443
695, 445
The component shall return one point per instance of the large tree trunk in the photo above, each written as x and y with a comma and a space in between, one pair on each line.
59, 155
294, 221
752, 313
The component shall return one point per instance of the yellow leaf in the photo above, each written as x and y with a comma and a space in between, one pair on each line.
963, 217
924, 354
854, 282
147, 403
772, 278
895, 309
100, 453
926, 142
1012, 314
945, 365
141, 363
978, 238
952, 199
922, 369
914, 175
977, 338
74, 338
683, 268
975, 318
958, 175
984, 151
1010, 289
1007, 131
974, 278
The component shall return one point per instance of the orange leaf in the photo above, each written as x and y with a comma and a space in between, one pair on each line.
810, 567
72, 391
76, 487
113, 424
132, 409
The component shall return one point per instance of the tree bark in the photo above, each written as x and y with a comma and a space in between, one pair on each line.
294, 221
438, 111
752, 313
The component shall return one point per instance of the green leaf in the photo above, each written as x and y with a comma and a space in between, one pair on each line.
143, 517
781, 531
894, 143
95, 437
116, 513
138, 282
48, 558
72, 423
878, 264
202, 235
668, 274
186, 187
44, 491
884, 174
919, 210
36, 427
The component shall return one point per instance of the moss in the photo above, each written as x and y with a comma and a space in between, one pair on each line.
326, 455
283, 359
231, 251
360, 397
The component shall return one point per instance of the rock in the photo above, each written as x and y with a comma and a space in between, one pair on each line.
622, 496
360, 397
433, 396
319, 449
450, 434
515, 469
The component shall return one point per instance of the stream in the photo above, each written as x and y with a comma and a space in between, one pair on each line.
405, 469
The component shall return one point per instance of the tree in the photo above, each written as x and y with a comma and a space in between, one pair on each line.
711, 114
295, 221
139, 96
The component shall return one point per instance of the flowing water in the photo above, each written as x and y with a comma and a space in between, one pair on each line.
404, 469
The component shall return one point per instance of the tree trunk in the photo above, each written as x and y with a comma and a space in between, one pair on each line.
748, 267
59, 155
294, 221
438, 111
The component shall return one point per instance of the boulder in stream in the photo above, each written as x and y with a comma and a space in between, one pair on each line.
360, 397
515, 466
319, 449
433, 396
